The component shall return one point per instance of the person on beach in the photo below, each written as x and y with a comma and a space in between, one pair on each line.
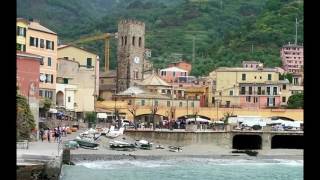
41, 134
49, 134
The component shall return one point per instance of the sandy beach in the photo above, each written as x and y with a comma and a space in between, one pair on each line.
189, 151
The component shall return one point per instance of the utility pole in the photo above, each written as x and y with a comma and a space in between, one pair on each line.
193, 49
296, 39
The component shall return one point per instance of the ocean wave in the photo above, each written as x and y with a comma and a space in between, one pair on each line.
114, 164
123, 163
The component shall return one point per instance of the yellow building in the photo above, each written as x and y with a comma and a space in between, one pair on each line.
22, 26
247, 87
87, 77
41, 41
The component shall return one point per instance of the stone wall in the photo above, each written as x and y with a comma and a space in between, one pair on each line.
222, 139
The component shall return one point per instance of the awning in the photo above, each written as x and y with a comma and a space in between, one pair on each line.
54, 111
198, 120
102, 115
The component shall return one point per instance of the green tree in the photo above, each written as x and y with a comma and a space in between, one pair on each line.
45, 105
25, 121
91, 117
295, 101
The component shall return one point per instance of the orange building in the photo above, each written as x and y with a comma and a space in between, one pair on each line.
182, 64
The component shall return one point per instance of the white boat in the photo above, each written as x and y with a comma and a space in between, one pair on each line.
115, 133
120, 144
143, 144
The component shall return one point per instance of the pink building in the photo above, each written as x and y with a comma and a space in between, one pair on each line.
292, 58
252, 64
172, 73
182, 65
260, 95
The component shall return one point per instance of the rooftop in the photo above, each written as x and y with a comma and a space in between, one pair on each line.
240, 69
293, 45
154, 80
37, 26
25, 54
252, 62
135, 91
173, 69
81, 48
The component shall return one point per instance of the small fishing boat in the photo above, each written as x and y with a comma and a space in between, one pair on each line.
86, 143
120, 144
175, 148
143, 144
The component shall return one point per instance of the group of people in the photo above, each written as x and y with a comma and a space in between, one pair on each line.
55, 133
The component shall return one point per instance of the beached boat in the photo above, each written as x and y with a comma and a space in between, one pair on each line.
143, 144
175, 148
120, 144
86, 143
114, 133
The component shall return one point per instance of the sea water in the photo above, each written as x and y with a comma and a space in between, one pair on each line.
189, 169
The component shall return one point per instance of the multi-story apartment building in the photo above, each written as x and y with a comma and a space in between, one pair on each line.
86, 78
172, 73
292, 58
22, 26
28, 71
246, 87
41, 41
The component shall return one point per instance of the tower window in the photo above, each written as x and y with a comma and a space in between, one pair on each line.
139, 41
133, 40
125, 40
121, 40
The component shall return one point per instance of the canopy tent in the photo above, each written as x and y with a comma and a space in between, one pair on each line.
218, 122
102, 115
54, 111
198, 119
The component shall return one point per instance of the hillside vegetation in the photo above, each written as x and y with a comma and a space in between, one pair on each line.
226, 32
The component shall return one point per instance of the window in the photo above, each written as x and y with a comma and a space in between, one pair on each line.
32, 41
163, 91
142, 102
52, 47
268, 90
49, 44
21, 47
121, 40
295, 81
243, 77
255, 99
259, 90
69, 99
37, 40
260, 77
231, 93
156, 102
284, 87
89, 62
65, 81
41, 43
284, 99
248, 98
255, 77
250, 90
49, 61
180, 104
140, 41
21, 31
136, 74
125, 40
213, 101
243, 90
269, 77
275, 90
41, 93
168, 103
133, 40
174, 74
